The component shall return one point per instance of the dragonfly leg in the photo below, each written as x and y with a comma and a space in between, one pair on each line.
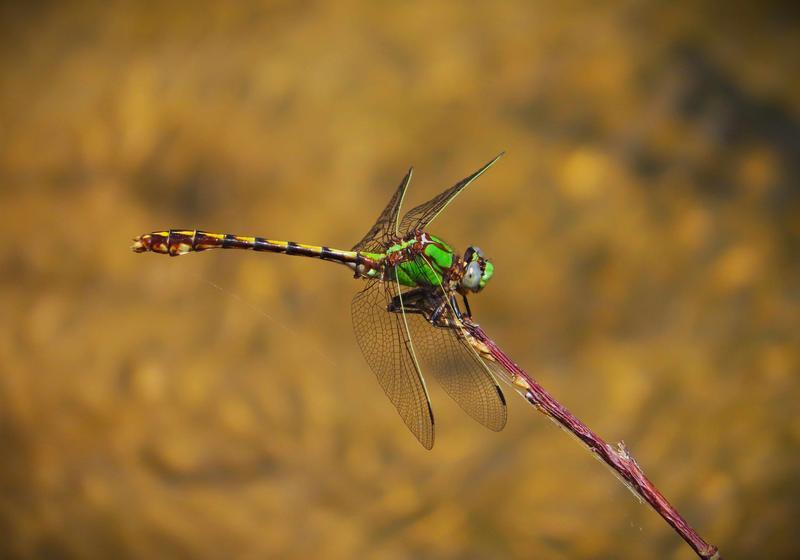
422, 302
435, 318
413, 301
466, 306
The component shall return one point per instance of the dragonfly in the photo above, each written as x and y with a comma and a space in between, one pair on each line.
408, 318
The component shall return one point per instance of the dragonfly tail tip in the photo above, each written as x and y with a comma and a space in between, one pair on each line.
140, 244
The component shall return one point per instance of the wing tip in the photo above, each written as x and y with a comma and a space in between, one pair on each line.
494, 160
500, 426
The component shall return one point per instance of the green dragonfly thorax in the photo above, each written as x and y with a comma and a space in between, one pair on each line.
423, 259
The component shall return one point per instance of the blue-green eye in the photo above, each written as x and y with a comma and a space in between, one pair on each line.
472, 276
488, 270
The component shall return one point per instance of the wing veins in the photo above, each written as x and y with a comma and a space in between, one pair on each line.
388, 221
494, 414
421, 216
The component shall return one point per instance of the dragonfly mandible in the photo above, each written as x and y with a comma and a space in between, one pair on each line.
408, 318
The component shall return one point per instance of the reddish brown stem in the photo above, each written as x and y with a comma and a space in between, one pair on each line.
617, 458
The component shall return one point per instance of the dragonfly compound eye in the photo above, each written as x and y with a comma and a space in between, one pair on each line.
486, 273
472, 276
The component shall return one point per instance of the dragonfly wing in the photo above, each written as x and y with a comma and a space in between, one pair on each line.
420, 216
387, 224
446, 352
461, 372
386, 343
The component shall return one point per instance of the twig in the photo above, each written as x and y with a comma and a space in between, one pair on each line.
618, 459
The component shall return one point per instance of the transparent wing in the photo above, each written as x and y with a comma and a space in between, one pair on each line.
461, 372
386, 226
386, 343
445, 351
420, 216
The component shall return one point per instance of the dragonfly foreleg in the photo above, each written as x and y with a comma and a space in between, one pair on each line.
466, 306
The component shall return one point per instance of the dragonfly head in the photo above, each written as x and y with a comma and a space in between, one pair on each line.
477, 270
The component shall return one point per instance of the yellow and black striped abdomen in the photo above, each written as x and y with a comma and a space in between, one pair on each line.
181, 241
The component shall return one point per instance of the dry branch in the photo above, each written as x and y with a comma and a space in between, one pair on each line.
619, 459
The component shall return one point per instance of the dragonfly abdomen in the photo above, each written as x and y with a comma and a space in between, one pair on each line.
177, 242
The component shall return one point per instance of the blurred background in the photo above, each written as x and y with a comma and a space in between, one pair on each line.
645, 228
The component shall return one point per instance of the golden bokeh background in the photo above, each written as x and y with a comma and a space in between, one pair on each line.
645, 228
